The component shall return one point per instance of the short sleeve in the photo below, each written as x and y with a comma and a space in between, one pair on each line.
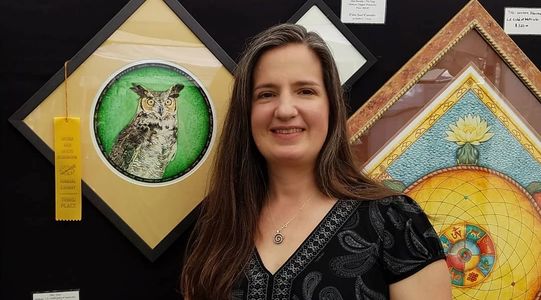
408, 240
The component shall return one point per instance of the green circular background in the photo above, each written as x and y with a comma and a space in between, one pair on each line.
117, 106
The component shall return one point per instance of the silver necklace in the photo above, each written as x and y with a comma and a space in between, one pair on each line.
278, 237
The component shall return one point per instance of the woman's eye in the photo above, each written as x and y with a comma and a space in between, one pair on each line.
307, 92
264, 95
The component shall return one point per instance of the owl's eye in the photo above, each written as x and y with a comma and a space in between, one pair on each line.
168, 102
150, 102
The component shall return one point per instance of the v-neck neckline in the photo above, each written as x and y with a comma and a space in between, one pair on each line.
261, 281
295, 253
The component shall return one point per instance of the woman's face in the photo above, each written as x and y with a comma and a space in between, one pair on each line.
290, 107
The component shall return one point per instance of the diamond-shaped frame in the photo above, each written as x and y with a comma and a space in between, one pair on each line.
473, 17
471, 41
352, 57
152, 218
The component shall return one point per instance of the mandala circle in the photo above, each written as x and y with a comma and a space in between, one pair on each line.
153, 123
470, 253
499, 207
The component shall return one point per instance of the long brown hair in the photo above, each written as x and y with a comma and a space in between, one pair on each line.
223, 238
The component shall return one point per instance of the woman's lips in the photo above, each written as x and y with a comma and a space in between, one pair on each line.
287, 130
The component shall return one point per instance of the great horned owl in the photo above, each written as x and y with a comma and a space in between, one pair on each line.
148, 143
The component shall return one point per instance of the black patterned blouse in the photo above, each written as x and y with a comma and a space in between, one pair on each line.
355, 252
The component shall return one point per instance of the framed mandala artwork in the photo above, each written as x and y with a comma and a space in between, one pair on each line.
458, 129
151, 90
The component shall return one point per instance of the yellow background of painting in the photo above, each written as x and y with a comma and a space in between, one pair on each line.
478, 196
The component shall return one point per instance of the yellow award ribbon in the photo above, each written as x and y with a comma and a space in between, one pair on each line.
67, 162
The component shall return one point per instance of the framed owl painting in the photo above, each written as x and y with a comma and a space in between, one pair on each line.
151, 90
457, 128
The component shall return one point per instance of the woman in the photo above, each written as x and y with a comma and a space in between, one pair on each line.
288, 215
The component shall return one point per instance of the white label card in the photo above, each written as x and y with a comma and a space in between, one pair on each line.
363, 11
520, 20
67, 295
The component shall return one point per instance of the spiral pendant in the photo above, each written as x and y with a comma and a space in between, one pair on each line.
278, 238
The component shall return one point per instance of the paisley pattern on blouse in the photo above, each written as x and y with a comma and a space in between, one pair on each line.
356, 252
309, 284
330, 293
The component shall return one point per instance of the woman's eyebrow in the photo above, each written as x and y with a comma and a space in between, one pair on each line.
306, 82
296, 83
265, 85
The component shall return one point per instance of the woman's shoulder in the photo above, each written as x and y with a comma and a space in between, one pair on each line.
393, 214
396, 231
408, 239
402, 203
383, 219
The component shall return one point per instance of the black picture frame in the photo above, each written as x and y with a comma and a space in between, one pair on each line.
16, 119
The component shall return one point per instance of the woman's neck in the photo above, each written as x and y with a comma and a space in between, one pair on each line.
291, 184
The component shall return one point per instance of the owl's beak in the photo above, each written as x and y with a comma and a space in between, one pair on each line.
160, 110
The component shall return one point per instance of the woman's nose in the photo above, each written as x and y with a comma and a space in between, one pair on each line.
286, 108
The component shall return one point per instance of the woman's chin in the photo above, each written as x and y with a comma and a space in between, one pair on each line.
290, 159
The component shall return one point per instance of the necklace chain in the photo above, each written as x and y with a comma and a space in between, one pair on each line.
278, 237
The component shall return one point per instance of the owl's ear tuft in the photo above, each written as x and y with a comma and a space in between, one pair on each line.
174, 91
139, 90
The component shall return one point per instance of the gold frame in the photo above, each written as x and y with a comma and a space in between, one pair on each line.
381, 124
472, 17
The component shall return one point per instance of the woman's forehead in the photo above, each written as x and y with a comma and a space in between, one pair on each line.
296, 62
